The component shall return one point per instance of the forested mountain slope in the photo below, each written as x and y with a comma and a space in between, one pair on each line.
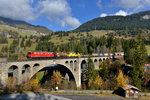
139, 20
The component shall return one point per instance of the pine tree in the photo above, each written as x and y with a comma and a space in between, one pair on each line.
22, 43
92, 73
138, 61
90, 68
105, 71
28, 43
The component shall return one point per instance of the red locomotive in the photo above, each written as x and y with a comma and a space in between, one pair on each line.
34, 55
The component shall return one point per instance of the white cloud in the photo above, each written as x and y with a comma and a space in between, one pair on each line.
127, 4
132, 4
17, 9
59, 11
70, 21
103, 15
122, 13
99, 3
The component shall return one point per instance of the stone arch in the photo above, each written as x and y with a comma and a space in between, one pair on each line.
110, 58
71, 73
13, 74
26, 68
36, 65
96, 64
71, 65
83, 63
67, 63
62, 64
26, 72
100, 62
83, 71
75, 65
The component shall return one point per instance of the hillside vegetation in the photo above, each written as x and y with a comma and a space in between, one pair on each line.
7, 30
85, 42
131, 22
24, 25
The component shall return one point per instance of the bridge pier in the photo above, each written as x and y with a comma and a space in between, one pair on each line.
3, 74
19, 75
77, 74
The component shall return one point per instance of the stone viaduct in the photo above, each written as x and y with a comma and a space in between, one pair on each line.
23, 70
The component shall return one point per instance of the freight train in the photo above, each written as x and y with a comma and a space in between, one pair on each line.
45, 55
36, 55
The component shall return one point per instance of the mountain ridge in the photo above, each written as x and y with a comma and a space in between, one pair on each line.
139, 20
24, 25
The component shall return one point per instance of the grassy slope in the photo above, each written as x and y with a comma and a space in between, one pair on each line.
58, 41
65, 39
20, 31
148, 49
55, 38
32, 48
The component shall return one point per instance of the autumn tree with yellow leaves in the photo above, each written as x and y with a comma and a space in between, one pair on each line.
120, 80
31, 85
56, 79
98, 83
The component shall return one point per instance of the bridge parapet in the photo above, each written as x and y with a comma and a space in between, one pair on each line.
3, 60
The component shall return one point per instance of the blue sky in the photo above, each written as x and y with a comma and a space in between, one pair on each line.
68, 14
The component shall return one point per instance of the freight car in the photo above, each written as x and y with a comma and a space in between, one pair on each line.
60, 54
119, 54
73, 54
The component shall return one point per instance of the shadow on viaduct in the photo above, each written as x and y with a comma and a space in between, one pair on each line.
23, 70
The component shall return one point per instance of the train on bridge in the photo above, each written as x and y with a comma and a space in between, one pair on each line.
46, 55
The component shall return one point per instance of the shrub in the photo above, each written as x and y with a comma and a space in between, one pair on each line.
34, 84
31, 85
98, 83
